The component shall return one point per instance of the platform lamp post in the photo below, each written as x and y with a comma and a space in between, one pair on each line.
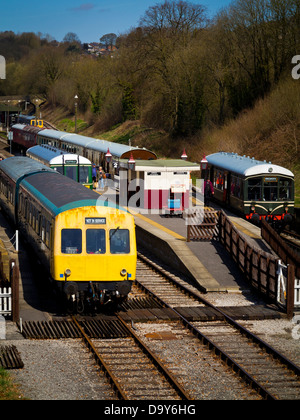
204, 166
184, 155
131, 162
7, 120
108, 158
76, 104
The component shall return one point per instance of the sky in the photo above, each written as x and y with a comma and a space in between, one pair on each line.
89, 19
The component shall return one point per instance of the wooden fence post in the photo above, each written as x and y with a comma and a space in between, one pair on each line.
14, 270
290, 291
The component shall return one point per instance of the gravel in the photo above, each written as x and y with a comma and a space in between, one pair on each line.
58, 370
64, 369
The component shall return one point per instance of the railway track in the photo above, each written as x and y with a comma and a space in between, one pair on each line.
292, 239
261, 366
132, 369
224, 347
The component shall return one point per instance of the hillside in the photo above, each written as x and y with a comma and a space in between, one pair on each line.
271, 131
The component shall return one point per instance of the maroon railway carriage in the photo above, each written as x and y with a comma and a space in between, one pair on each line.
25, 136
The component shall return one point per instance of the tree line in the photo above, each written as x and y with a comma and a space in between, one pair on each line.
178, 71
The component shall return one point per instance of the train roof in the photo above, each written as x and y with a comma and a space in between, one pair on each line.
54, 191
27, 128
54, 156
58, 193
17, 167
245, 166
116, 149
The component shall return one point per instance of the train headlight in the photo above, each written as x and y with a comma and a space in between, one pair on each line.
67, 272
123, 272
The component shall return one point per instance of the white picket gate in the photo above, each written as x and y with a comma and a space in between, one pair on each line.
5, 301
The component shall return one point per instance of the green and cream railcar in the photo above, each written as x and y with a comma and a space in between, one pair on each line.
256, 189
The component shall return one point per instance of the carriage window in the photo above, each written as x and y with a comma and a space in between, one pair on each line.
48, 232
219, 180
71, 241
254, 189
119, 241
95, 241
285, 189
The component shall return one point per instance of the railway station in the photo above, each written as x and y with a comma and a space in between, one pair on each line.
210, 254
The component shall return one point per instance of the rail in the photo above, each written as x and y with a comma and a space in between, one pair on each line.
227, 358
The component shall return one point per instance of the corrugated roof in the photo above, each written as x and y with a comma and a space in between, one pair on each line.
244, 165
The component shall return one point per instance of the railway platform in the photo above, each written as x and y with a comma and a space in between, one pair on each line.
206, 262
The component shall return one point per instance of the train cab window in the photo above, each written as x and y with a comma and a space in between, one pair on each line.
95, 241
71, 172
83, 174
71, 241
119, 241
254, 189
270, 189
236, 187
285, 189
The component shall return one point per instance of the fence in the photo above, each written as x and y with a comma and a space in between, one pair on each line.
261, 270
9, 293
5, 301
287, 255
202, 225
258, 267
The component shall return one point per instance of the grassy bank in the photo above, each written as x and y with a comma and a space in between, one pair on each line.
8, 390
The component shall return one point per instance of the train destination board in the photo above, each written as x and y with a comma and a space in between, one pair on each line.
95, 220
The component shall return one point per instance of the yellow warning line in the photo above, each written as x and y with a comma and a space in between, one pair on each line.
246, 231
157, 225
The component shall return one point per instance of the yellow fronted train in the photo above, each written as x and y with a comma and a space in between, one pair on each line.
87, 245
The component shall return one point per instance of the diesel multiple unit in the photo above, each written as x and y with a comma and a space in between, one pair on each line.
87, 245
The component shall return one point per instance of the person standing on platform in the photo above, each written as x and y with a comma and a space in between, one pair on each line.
208, 192
94, 176
101, 178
